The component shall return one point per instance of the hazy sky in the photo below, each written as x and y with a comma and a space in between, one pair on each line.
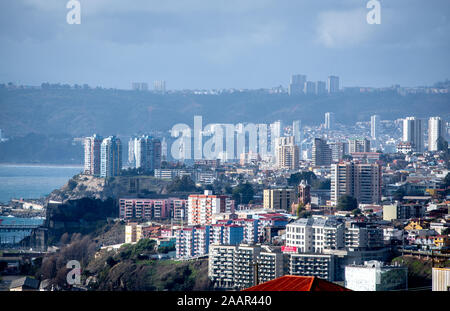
224, 43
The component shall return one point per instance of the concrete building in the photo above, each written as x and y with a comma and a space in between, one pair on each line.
139, 86
403, 211
310, 88
362, 181
440, 279
321, 87
318, 265
159, 86
333, 84
133, 232
413, 133
201, 207
147, 208
92, 155
297, 84
358, 145
243, 266
329, 120
279, 199
374, 276
338, 150
111, 157
436, 133
287, 153
375, 127
316, 234
144, 153
321, 153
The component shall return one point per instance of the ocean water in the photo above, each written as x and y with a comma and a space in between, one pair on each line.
32, 181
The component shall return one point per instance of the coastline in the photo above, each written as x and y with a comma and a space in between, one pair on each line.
55, 165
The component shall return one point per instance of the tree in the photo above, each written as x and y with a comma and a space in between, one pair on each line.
183, 184
243, 193
347, 203
300, 208
296, 178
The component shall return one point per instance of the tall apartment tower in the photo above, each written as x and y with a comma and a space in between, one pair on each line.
297, 133
333, 84
436, 132
375, 127
338, 150
201, 207
111, 157
297, 84
413, 133
145, 152
159, 86
273, 133
362, 181
310, 87
287, 153
92, 155
329, 120
358, 145
321, 153
321, 87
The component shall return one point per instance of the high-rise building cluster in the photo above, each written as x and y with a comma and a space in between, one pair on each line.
300, 85
102, 156
144, 152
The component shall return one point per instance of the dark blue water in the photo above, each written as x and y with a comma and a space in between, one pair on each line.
32, 181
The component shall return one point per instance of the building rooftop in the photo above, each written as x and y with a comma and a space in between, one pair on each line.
298, 284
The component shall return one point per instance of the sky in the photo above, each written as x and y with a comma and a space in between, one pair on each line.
213, 44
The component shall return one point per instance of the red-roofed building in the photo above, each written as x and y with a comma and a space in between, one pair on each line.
298, 284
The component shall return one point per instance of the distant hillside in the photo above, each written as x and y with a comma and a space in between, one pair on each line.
80, 112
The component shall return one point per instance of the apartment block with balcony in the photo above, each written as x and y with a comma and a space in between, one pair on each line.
318, 265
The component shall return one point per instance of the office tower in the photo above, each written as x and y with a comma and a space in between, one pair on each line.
201, 207
310, 87
362, 181
277, 199
413, 133
111, 157
338, 150
321, 87
436, 133
321, 153
287, 153
92, 155
139, 86
297, 133
329, 120
375, 126
297, 84
358, 145
145, 152
333, 84
159, 86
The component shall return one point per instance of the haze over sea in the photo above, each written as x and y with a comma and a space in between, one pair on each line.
30, 181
